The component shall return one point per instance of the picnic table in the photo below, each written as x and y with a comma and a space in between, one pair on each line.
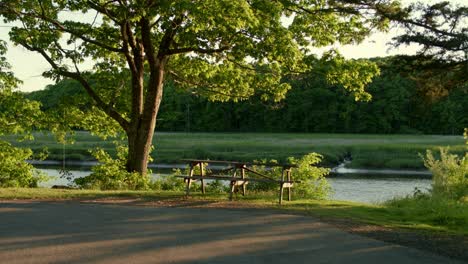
239, 174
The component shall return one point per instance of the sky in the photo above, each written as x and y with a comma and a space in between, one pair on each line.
29, 66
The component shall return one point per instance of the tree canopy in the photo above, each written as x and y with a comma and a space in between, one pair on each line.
221, 49
441, 30
17, 114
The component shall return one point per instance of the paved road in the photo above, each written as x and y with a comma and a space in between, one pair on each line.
73, 232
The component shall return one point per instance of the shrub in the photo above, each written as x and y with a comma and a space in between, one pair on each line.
217, 186
449, 173
111, 174
172, 183
313, 184
14, 170
169, 183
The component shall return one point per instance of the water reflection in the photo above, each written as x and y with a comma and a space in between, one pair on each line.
375, 188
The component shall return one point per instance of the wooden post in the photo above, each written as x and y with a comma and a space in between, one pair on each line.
281, 193
243, 177
233, 186
189, 180
233, 183
202, 180
281, 187
288, 172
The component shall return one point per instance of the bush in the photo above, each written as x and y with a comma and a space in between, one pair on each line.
217, 186
313, 184
449, 173
14, 170
169, 183
111, 174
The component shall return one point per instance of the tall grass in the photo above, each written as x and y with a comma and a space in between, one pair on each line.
432, 210
371, 151
447, 203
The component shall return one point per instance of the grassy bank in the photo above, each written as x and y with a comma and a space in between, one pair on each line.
429, 215
367, 151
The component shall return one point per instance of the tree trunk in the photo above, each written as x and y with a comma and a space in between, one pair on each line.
145, 106
139, 146
141, 130
140, 138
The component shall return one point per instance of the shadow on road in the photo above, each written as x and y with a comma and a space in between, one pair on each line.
74, 232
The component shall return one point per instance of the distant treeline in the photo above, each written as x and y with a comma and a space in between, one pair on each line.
401, 103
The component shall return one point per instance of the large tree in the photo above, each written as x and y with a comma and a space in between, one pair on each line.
440, 29
222, 49
441, 32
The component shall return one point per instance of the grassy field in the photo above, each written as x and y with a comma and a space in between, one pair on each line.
367, 151
426, 215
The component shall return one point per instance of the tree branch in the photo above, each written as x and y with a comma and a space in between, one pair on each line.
63, 28
125, 48
107, 108
197, 50
103, 10
168, 37
202, 86
136, 64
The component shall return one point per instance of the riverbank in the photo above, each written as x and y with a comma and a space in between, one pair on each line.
383, 222
364, 151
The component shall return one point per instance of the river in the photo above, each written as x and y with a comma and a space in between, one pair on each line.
365, 186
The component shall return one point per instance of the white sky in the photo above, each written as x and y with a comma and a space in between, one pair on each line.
29, 66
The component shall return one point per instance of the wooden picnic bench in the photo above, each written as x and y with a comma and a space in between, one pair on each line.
236, 173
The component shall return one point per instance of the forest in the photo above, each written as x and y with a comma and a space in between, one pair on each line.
404, 101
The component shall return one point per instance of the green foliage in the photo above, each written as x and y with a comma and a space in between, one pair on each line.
61, 93
353, 75
367, 150
439, 28
222, 50
449, 173
14, 170
313, 184
465, 135
312, 105
172, 183
315, 105
217, 186
432, 209
441, 63
270, 171
17, 116
168, 183
111, 173
8, 81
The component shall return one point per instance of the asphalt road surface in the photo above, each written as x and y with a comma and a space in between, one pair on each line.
74, 232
